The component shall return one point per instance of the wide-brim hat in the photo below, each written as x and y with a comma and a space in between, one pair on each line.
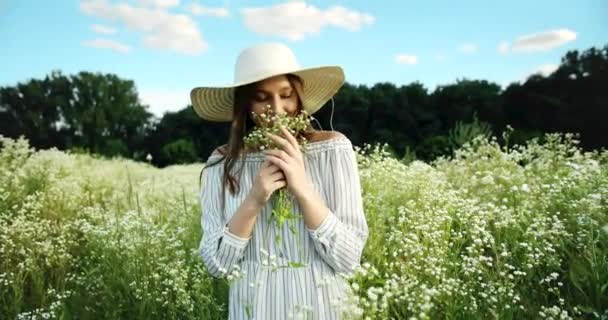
263, 61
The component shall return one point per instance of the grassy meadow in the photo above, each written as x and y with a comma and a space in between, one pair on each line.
495, 232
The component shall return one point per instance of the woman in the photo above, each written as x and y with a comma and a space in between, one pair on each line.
301, 275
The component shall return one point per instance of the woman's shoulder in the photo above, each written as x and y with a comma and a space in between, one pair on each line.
320, 135
323, 141
220, 151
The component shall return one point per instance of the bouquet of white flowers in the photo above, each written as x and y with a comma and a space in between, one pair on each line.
270, 122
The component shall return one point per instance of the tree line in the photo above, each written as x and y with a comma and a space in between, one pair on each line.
102, 114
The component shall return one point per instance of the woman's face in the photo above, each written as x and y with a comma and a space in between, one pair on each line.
276, 92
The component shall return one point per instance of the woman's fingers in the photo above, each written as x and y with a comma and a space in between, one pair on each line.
292, 140
278, 153
271, 168
279, 184
283, 144
277, 176
278, 162
265, 164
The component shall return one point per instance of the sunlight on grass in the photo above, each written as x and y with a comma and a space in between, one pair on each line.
495, 232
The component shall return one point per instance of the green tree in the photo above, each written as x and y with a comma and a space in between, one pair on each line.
571, 99
185, 124
179, 151
90, 111
104, 107
33, 109
461, 100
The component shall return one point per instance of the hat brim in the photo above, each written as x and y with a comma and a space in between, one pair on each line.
320, 84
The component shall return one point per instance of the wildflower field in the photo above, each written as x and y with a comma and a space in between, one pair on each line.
495, 232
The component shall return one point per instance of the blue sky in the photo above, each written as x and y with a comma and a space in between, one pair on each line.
170, 46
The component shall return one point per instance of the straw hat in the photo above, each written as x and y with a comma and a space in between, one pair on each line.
259, 62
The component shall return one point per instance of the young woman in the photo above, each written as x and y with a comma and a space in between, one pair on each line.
302, 274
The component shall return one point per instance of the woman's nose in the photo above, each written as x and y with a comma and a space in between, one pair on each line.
277, 106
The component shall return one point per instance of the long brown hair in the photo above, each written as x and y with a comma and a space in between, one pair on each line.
242, 124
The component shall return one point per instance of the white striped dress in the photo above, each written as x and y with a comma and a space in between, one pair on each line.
315, 291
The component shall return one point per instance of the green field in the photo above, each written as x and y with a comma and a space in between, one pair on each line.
494, 233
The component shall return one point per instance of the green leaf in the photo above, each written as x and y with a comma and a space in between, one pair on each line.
292, 228
293, 264
586, 309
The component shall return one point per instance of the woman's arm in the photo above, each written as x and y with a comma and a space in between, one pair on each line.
242, 222
222, 243
314, 208
337, 224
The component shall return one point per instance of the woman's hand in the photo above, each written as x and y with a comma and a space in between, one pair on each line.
268, 180
290, 160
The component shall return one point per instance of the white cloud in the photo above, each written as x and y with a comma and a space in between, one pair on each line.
406, 59
199, 10
163, 100
296, 20
159, 3
160, 29
542, 41
103, 29
468, 48
503, 47
546, 69
440, 58
108, 44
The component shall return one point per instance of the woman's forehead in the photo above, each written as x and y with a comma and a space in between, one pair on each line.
274, 84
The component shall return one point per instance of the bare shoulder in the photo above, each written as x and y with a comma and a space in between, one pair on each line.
220, 151
326, 135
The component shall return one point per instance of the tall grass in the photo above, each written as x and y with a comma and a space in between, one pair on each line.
506, 232
86, 238
503, 232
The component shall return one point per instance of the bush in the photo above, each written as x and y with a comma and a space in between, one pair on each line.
115, 148
465, 132
180, 151
433, 147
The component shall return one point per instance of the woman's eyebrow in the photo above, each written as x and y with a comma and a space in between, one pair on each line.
283, 89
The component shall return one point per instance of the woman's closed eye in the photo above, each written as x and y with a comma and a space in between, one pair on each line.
263, 97
260, 98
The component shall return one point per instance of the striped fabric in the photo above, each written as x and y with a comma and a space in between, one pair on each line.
315, 291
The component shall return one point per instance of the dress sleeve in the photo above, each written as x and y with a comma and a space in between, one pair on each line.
341, 237
219, 249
